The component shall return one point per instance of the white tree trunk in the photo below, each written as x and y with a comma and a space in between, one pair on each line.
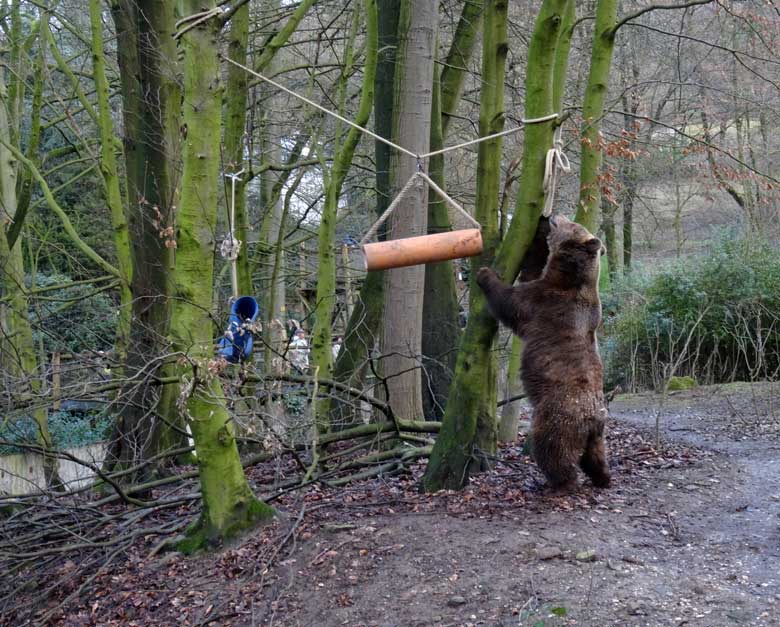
402, 322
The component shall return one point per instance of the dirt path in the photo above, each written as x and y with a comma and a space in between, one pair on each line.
690, 540
688, 535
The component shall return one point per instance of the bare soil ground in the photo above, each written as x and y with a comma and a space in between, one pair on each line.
688, 535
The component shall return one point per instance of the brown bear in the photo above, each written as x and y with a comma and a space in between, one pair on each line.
556, 316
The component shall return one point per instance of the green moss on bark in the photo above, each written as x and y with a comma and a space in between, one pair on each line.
201, 536
322, 355
593, 111
228, 503
469, 419
441, 332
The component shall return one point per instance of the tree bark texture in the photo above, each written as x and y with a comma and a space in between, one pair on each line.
360, 336
17, 349
228, 503
112, 184
491, 120
236, 86
441, 331
402, 321
592, 112
148, 422
454, 450
322, 353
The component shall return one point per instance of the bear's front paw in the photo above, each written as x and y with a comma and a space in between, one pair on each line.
484, 276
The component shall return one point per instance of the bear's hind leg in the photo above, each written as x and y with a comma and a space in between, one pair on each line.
555, 459
594, 460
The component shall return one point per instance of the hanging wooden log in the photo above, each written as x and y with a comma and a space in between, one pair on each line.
412, 251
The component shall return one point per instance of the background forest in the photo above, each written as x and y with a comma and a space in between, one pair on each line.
160, 159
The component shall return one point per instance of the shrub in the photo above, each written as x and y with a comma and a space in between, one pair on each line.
677, 384
68, 429
72, 319
714, 317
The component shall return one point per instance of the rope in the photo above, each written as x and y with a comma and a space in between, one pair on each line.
412, 180
387, 142
443, 195
320, 107
555, 162
478, 140
186, 24
375, 227
231, 247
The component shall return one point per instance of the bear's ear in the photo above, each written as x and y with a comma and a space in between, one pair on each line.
593, 246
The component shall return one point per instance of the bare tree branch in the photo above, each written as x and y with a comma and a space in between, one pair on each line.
659, 7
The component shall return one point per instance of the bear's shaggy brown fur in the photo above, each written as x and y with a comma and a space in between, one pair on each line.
556, 316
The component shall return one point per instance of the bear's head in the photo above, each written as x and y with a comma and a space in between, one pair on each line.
575, 254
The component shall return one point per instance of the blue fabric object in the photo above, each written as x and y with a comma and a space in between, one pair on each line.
236, 344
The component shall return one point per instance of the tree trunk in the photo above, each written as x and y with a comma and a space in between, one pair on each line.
151, 110
236, 81
491, 120
628, 228
111, 182
17, 350
228, 503
441, 331
510, 413
453, 452
402, 320
24, 183
592, 112
440, 328
608, 210
322, 353
360, 336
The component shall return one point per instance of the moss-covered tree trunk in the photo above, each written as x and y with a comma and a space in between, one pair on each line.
510, 414
491, 120
322, 354
17, 350
471, 399
111, 181
361, 333
151, 114
441, 331
236, 91
402, 319
228, 503
592, 112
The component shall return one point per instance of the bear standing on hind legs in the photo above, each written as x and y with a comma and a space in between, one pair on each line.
556, 316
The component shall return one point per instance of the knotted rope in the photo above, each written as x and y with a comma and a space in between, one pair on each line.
555, 162
230, 246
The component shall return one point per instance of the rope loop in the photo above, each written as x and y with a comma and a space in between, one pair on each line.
555, 162
186, 24
231, 247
